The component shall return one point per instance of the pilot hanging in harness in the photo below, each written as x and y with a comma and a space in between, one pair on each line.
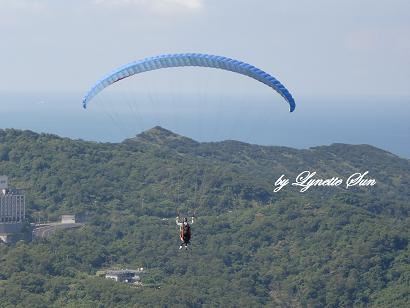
184, 232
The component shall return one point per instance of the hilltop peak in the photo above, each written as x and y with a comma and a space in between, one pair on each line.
160, 132
160, 135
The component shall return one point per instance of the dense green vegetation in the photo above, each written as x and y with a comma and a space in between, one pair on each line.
251, 247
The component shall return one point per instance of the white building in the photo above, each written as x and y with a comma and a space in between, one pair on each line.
68, 219
128, 276
12, 211
12, 203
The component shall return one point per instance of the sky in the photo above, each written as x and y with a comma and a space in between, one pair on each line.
346, 63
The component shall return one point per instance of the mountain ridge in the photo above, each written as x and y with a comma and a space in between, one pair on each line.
162, 136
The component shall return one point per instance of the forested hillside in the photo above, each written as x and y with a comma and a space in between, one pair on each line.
328, 246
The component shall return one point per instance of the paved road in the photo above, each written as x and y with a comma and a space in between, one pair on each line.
44, 231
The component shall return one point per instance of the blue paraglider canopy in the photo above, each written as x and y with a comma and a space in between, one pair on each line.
189, 59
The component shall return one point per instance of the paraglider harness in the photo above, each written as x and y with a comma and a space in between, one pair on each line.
184, 231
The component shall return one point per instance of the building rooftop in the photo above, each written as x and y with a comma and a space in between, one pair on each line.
124, 271
12, 191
